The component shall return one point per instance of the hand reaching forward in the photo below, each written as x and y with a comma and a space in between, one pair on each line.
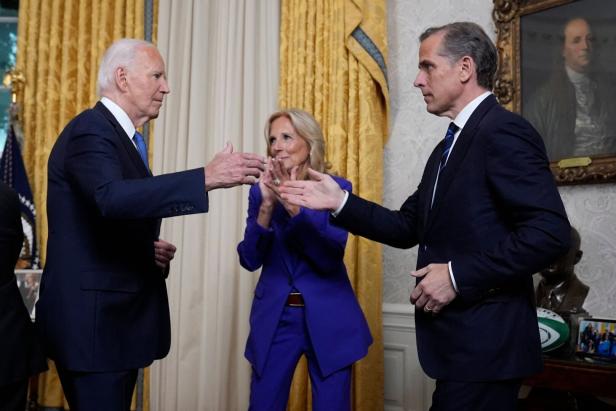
163, 253
435, 291
321, 192
229, 169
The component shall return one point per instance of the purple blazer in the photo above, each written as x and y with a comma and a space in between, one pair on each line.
304, 252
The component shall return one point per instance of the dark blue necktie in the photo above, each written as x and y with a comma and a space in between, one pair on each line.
448, 141
141, 148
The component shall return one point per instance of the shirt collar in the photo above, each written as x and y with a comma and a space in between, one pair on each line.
468, 110
121, 116
574, 76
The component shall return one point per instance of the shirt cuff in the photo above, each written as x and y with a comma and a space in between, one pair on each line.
453, 279
339, 209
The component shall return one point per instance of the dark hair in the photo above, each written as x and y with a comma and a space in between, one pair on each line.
468, 39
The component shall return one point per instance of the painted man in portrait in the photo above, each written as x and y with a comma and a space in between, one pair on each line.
574, 110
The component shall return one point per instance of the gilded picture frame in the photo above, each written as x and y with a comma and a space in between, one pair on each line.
529, 32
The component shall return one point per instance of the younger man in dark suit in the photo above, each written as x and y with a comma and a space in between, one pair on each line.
486, 216
20, 354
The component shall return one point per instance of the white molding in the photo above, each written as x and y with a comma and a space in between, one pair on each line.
406, 386
399, 317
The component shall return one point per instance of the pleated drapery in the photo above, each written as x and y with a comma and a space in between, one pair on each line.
223, 74
332, 64
60, 43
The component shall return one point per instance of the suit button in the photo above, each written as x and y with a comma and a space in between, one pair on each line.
425, 248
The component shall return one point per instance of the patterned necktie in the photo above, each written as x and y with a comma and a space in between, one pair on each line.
451, 131
141, 148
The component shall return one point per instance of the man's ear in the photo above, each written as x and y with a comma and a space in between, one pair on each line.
467, 68
578, 256
120, 78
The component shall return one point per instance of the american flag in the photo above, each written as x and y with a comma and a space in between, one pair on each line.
13, 173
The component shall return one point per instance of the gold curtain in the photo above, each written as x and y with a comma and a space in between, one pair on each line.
60, 43
332, 64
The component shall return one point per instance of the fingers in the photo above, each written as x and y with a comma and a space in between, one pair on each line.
228, 148
279, 172
253, 166
293, 186
294, 199
250, 180
229, 169
253, 156
254, 163
419, 296
292, 191
315, 175
435, 290
421, 300
162, 244
253, 160
421, 272
415, 294
294, 172
163, 253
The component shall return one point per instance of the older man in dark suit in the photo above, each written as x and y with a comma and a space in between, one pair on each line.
486, 216
103, 309
20, 354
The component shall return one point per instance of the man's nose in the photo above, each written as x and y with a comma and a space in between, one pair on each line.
164, 88
419, 80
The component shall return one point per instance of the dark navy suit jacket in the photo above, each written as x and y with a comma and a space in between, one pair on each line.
498, 217
103, 303
303, 253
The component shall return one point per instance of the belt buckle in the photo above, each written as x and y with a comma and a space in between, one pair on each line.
299, 297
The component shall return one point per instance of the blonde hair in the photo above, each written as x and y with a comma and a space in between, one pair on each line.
308, 129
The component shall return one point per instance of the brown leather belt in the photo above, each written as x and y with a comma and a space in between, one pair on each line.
295, 300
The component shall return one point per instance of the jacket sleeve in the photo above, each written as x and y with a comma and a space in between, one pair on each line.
525, 193
396, 228
311, 234
93, 166
257, 240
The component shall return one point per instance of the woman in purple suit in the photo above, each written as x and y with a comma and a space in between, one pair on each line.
303, 302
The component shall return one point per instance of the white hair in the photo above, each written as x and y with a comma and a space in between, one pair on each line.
120, 54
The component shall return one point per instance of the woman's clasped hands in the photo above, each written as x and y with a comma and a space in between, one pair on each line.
274, 175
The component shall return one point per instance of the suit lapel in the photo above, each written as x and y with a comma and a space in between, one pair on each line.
430, 178
124, 140
456, 158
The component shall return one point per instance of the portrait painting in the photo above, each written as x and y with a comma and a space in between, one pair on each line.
560, 67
